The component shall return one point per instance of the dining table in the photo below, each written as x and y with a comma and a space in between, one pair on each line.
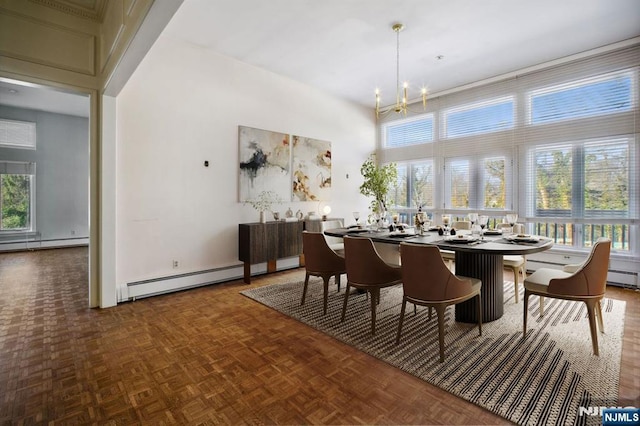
475, 256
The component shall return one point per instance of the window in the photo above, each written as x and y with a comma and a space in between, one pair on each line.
408, 132
558, 146
16, 196
476, 183
606, 179
552, 167
17, 134
589, 182
414, 187
591, 97
478, 118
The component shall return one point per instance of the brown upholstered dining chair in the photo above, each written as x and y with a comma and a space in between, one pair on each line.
586, 284
366, 270
320, 261
427, 281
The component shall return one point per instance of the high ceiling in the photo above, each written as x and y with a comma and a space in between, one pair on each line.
347, 47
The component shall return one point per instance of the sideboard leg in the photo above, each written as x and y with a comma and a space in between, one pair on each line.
271, 266
247, 273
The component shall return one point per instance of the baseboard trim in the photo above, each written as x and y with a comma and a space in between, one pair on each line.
172, 283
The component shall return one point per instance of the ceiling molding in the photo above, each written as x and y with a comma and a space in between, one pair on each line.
88, 9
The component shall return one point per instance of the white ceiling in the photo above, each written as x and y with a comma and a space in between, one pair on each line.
32, 96
347, 47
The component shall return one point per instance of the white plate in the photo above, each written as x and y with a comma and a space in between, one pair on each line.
523, 237
460, 239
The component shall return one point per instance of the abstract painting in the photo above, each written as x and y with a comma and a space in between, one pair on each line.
311, 169
265, 159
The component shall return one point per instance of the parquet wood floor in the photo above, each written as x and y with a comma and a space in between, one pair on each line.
202, 356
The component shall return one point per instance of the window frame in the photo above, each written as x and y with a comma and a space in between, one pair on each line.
32, 196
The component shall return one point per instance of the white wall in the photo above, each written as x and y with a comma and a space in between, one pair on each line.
182, 106
62, 175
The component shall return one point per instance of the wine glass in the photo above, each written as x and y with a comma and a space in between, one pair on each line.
483, 220
512, 218
356, 216
473, 218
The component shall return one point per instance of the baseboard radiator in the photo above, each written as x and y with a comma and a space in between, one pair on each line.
34, 243
162, 285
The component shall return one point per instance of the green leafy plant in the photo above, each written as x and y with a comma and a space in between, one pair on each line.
377, 181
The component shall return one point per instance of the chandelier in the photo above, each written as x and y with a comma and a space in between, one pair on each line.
401, 106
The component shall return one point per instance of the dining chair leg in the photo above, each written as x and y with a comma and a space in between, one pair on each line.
430, 310
374, 303
346, 300
600, 319
304, 289
325, 280
404, 305
591, 311
337, 278
440, 312
541, 306
479, 306
525, 311
516, 274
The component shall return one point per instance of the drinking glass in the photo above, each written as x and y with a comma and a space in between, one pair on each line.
356, 216
483, 220
473, 218
512, 218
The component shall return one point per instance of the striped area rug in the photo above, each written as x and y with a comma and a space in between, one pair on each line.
544, 379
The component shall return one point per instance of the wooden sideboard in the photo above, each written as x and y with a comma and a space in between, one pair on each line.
268, 242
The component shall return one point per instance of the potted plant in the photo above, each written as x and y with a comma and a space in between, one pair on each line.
263, 202
377, 181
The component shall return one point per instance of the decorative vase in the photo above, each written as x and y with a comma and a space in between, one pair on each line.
263, 217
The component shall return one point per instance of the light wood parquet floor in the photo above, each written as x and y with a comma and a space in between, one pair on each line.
203, 356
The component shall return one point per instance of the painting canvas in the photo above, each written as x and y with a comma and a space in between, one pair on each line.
265, 159
311, 169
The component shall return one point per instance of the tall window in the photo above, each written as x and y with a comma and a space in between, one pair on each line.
552, 166
477, 183
16, 196
415, 186
587, 181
